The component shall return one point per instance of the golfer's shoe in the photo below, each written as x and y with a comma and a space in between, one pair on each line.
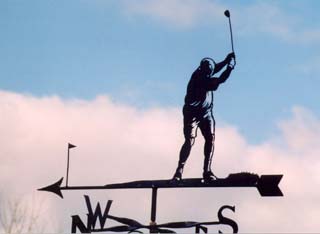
177, 175
208, 176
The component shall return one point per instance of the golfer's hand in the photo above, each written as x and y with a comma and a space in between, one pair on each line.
230, 56
232, 63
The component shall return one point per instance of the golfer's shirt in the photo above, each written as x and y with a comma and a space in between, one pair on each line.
199, 92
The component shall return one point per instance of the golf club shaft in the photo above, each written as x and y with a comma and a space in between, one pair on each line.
231, 34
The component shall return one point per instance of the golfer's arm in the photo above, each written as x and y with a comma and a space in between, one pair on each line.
220, 65
225, 75
215, 82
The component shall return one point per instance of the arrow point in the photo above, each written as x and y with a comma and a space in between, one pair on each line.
54, 188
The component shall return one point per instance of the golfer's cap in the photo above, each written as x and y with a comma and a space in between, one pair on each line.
207, 60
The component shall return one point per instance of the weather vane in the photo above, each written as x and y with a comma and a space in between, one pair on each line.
197, 113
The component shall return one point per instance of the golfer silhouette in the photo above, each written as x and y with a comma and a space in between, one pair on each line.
197, 111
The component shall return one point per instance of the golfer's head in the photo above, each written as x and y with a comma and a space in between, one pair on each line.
207, 66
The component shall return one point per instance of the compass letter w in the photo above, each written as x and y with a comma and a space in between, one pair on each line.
93, 216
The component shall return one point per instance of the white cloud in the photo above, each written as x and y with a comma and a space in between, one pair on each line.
257, 18
269, 18
119, 143
308, 128
180, 13
266, 18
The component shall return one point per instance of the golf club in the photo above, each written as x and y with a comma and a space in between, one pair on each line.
227, 14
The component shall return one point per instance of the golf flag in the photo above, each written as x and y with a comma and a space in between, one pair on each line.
71, 146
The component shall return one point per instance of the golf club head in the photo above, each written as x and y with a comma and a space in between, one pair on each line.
227, 13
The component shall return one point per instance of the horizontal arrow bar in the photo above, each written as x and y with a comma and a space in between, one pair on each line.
267, 185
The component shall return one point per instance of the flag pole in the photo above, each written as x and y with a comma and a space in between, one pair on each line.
67, 177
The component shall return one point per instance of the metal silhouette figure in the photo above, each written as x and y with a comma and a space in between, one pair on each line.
197, 111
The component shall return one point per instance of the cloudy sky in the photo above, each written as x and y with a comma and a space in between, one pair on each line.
110, 77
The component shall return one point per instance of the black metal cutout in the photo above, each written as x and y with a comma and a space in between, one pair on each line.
198, 105
267, 185
70, 146
227, 14
131, 225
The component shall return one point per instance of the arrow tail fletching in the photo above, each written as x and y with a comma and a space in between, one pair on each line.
268, 186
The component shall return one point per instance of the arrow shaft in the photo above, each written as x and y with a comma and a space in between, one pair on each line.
149, 187
267, 185
82, 188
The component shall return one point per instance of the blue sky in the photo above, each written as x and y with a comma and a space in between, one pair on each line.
142, 53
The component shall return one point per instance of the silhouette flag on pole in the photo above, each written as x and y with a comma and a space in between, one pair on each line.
71, 146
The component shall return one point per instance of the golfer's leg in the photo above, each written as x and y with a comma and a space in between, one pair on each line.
185, 150
207, 127
189, 129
